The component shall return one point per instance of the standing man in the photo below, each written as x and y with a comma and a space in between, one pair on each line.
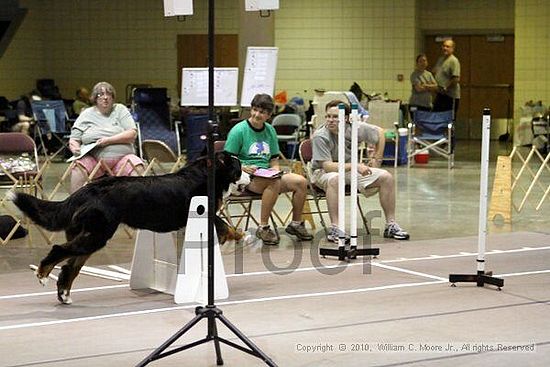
447, 75
255, 143
325, 169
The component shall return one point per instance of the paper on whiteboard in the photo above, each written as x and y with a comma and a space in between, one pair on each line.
194, 86
254, 5
178, 7
259, 73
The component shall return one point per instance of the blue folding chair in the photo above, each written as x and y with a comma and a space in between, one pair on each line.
158, 136
432, 132
52, 122
151, 109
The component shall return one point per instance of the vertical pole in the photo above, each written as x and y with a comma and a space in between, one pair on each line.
483, 183
211, 154
341, 175
353, 173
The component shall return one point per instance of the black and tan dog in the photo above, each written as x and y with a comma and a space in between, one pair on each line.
91, 215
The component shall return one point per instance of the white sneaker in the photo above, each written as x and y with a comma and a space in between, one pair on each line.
394, 231
334, 235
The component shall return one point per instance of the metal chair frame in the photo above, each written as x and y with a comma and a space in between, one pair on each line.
316, 194
59, 127
438, 137
14, 143
287, 126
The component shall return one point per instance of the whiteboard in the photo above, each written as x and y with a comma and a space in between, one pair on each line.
259, 73
254, 5
194, 86
178, 7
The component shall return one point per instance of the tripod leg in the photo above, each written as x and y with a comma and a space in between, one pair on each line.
247, 341
213, 334
155, 355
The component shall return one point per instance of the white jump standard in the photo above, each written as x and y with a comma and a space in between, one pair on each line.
353, 251
481, 277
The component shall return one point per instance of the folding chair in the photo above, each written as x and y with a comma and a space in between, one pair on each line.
388, 115
152, 111
160, 156
19, 170
287, 126
89, 177
432, 131
244, 202
317, 195
52, 121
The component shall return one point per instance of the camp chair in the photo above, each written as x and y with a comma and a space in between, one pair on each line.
431, 131
19, 170
317, 195
160, 156
158, 137
52, 122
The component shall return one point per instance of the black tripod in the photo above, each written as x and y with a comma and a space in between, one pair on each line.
210, 311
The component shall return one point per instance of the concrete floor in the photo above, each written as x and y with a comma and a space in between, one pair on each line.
300, 310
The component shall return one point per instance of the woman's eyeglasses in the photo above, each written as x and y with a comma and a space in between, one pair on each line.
104, 94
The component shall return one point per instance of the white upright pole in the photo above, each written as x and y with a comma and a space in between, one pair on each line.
353, 172
481, 277
483, 183
341, 175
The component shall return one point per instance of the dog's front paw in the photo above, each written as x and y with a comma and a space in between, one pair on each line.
64, 297
231, 234
238, 234
42, 279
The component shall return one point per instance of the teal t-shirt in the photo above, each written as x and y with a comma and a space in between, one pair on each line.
253, 147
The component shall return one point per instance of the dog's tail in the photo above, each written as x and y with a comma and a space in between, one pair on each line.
51, 215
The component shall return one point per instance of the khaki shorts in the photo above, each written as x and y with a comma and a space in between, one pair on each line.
320, 178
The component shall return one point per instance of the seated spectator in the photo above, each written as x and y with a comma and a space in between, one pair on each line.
255, 143
111, 126
82, 100
24, 113
325, 169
